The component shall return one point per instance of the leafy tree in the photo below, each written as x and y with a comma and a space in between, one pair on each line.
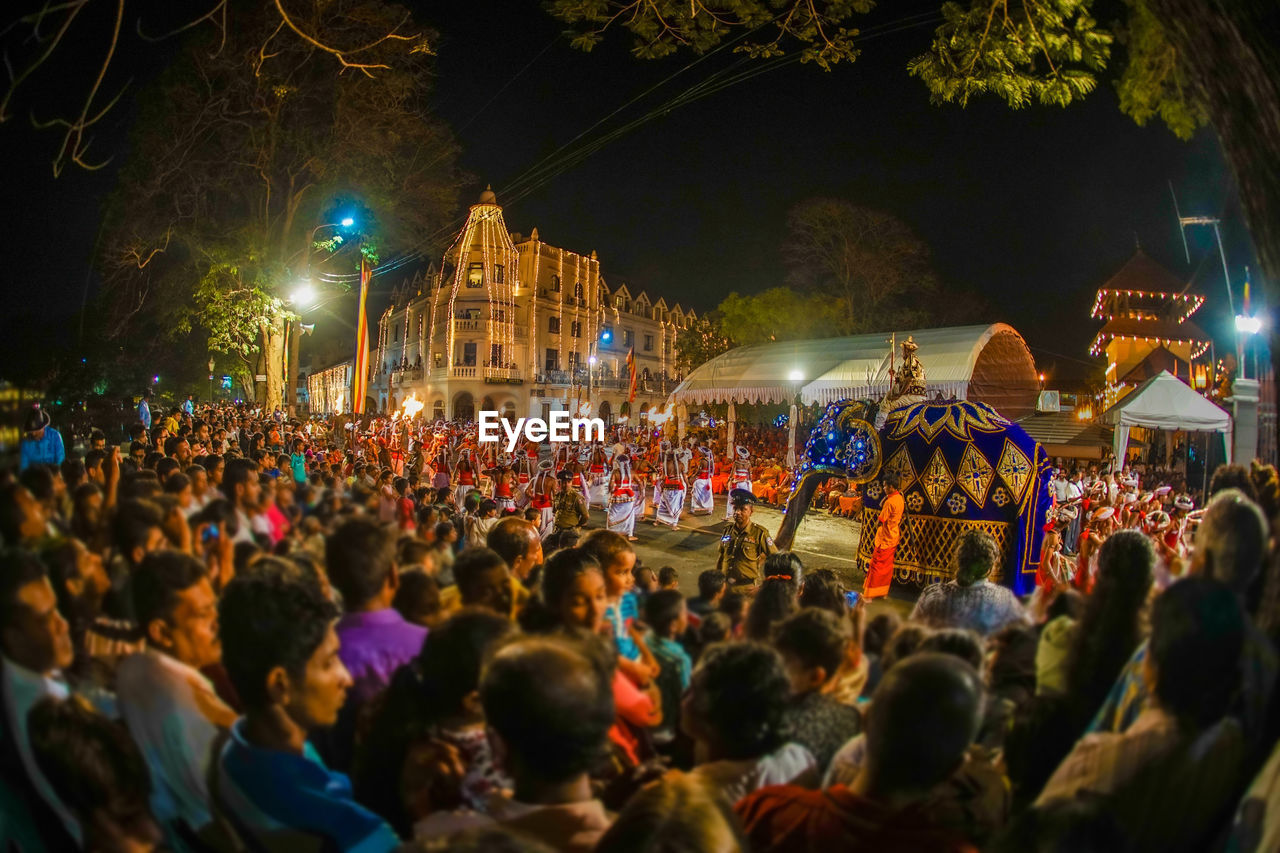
702, 342
869, 264
245, 157
1189, 62
777, 314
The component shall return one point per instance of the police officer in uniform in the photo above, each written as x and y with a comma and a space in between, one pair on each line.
570, 508
744, 546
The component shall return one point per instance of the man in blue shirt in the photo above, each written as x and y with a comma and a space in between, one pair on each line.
41, 444
282, 659
188, 406
144, 409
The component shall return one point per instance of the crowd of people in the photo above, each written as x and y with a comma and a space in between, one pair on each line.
232, 631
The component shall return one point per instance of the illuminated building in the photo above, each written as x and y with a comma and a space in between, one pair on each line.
1147, 310
510, 324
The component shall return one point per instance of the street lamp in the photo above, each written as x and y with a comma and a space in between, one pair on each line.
304, 295
210, 379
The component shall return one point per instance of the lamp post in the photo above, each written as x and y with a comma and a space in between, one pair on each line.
304, 296
210, 379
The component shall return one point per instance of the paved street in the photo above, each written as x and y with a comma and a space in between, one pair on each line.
823, 541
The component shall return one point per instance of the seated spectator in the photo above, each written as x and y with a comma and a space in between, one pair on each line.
711, 589
813, 644
1172, 772
879, 629
735, 606
678, 812
81, 583
170, 708
283, 660
923, 718
374, 638
646, 581
35, 642
482, 579
549, 707
418, 598
97, 770
518, 543
735, 712
773, 604
1056, 637
970, 600
665, 614
668, 578
432, 700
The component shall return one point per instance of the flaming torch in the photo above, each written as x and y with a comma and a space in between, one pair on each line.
411, 406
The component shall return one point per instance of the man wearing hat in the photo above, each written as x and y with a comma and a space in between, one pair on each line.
570, 507
41, 443
745, 545
739, 477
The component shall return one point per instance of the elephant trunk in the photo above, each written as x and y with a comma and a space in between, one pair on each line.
797, 505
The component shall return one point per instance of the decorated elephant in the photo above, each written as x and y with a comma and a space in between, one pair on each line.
963, 467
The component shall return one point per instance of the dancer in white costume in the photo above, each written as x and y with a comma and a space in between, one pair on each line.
622, 498
598, 476
525, 467
465, 476
504, 485
674, 487
739, 478
541, 489
701, 501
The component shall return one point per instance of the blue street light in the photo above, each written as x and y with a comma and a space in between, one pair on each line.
347, 222
606, 336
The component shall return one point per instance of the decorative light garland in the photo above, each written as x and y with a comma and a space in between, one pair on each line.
1193, 300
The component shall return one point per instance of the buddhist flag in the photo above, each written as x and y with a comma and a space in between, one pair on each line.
360, 371
631, 368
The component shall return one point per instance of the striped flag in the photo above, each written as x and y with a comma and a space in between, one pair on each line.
360, 371
631, 368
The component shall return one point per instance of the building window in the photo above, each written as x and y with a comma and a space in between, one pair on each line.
500, 315
575, 329
648, 343
555, 284
495, 355
553, 359
469, 354
628, 338
438, 360
577, 290
497, 273
553, 325
475, 274
575, 359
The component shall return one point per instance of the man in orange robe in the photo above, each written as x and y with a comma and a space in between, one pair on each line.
888, 534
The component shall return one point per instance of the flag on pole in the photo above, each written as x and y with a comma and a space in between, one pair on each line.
360, 370
631, 368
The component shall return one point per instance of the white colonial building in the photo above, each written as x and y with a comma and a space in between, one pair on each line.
516, 325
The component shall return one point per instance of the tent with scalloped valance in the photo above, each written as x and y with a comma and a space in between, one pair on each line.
987, 363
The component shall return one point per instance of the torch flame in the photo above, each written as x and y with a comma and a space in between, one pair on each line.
663, 416
411, 406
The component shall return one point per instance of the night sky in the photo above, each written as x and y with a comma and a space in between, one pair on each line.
1030, 210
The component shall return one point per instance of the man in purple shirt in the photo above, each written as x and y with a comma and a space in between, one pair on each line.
375, 638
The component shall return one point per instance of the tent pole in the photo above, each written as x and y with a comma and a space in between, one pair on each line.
1204, 472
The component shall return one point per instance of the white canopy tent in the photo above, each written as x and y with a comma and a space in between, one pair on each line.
988, 363
1165, 402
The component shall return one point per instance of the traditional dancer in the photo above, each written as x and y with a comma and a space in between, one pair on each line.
888, 534
464, 474
504, 485
674, 487
739, 478
702, 502
525, 466
598, 491
622, 498
541, 491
